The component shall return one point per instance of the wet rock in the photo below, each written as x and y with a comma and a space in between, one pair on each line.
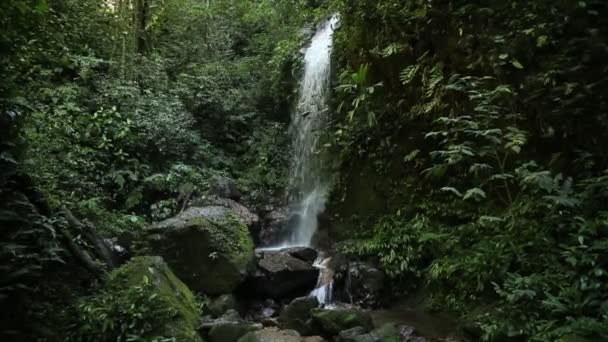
208, 247
270, 322
220, 305
297, 315
120, 253
224, 187
271, 335
307, 254
274, 228
332, 322
279, 275
387, 332
350, 335
229, 327
313, 339
259, 311
360, 283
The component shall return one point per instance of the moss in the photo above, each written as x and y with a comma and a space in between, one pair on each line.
168, 289
334, 321
210, 255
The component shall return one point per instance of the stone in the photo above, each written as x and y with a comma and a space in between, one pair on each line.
209, 248
224, 187
350, 335
360, 283
386, 333
229, 327
274, 227
251, 220
168, 289
307, 254
270, 322
219, 305
231, 331
333, 321
271, 335
297, 314
280, 275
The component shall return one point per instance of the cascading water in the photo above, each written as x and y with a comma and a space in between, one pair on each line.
324, 289
306, 177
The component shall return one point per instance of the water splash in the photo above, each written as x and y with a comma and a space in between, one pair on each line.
325, 284
307, 123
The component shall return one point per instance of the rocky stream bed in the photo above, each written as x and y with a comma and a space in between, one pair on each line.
263, 294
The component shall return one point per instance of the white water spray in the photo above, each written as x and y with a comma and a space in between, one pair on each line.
325, 284
307, 123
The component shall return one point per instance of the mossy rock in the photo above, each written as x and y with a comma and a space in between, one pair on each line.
231, 331
386, 333
297, 315
332, 322
271, 335
168, 290
218, 306
209, 248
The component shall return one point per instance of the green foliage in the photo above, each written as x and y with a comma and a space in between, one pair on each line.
266, 163
123, 110
142, 301
488, 140
402, 246
129, 315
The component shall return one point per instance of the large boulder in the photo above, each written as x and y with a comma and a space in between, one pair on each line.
307, 254
297, 314
224, 187
209, 248
360, 283
280, 275
229, 327
272, 335
275, 227
248, 218
169, 292
333, 321
351, 335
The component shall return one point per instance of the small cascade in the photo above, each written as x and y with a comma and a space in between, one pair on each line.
324, 289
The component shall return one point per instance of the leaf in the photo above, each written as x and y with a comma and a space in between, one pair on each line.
476, 193
503, 56
431, 237
411, 156
517, 64
452, 190
541, 41
42, 6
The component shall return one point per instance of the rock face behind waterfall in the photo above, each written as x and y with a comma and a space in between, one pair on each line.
209, 248
280, 274
360, 283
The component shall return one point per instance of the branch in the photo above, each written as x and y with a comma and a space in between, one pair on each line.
100, 247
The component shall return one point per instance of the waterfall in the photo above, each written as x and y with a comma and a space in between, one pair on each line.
307, 122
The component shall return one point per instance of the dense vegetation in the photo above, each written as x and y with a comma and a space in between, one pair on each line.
468, 136
121, 111
473, 133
